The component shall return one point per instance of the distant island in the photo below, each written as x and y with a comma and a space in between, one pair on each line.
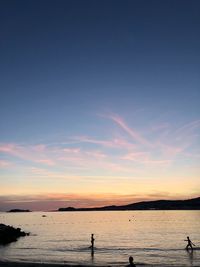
18, 210
190, 204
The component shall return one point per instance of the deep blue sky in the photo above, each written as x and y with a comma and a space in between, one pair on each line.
114, 83
62, 60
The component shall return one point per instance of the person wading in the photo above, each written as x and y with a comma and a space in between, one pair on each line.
92, 244
189, 244
131, 263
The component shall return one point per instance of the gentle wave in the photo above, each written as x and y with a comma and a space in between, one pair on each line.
154, 239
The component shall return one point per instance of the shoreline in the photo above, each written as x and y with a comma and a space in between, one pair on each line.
36, 264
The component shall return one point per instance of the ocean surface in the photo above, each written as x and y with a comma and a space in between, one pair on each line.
154, 238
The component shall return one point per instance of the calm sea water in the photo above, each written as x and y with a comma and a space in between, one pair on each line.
151, 237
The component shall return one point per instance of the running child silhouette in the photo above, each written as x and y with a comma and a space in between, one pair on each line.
189, 244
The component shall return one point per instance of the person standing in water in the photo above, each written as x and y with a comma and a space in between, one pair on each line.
92, 244
131, 263
189, 245
92, 241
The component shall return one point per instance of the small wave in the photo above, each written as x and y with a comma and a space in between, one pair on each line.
80, 249
59, 240
114, 249
27, 248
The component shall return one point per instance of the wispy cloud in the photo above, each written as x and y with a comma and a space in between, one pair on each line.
144, 159
5, 163
188, 127
48, 162
91, 140
118, 143
133, 133
37, 153
127, 153
99, 158
170, 150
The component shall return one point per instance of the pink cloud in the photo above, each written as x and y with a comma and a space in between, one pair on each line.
171, 151
96, 154
133, 133
86, 139
161, 126
72, 150
123, 144
109, 155
137, 156
25, 152
144, 158
39, 148
48, 162
118, 143
12, 149
28, 153
4, 163
191, 126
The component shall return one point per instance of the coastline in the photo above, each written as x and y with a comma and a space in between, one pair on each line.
31, 264
64, 264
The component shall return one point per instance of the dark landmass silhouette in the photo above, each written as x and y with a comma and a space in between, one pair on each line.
10, 234
189, 204
18, 210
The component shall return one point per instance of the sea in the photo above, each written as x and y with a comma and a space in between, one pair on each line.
152, 238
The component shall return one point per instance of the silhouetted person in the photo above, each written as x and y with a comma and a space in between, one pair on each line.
92, 245
92, 240
131, 263
189, 245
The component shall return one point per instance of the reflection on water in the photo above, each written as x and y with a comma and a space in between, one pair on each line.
190, 255
151, 237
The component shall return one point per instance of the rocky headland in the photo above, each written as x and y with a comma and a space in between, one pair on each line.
10, 234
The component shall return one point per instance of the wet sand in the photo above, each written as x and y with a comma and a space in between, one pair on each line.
27, 264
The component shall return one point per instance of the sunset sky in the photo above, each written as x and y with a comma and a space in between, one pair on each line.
99, 102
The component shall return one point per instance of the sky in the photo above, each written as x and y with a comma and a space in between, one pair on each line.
99, 102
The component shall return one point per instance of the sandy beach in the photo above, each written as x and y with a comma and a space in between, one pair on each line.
27, 264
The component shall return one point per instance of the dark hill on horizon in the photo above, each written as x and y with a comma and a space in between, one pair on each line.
189, 204
18, 210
